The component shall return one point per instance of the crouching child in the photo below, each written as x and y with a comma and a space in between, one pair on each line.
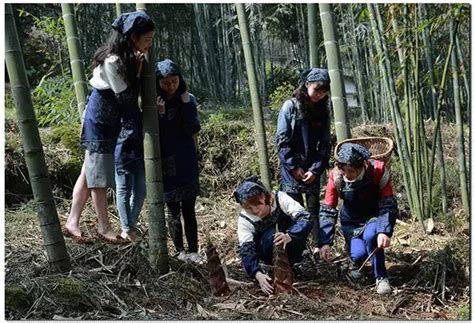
368, 212
262, 212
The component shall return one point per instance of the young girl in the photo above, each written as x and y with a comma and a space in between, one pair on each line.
261, 211
114, 91
178, 124
303, 140
367, 215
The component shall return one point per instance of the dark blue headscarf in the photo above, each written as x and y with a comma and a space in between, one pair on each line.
315, 74
127, 22
353, 154
249, 187
166, 68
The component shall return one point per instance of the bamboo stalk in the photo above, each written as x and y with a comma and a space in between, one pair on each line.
53, 240
257, 110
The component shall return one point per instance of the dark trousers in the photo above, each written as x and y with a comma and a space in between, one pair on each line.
362, 247
294, 248
186, 209
312, 205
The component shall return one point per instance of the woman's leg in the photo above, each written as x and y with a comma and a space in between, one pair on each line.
174, 225
99, 199
123, 186
190, 223
378, 259
138, 197
80, 195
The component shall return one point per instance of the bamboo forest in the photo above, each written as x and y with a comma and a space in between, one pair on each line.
237, 161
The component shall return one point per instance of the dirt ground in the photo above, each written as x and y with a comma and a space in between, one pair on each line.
430, 275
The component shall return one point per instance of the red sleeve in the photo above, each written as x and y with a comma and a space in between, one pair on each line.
331, 196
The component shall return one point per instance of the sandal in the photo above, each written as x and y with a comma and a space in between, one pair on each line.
117, 241
77, 239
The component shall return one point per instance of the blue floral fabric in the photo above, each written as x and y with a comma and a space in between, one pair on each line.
352, 154
303, 140
180, 166
101, 125
127, 21
248, 188
316, 74
166, 68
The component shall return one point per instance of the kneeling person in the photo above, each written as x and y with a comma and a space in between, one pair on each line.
261, 211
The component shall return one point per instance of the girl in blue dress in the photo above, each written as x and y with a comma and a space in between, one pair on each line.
179, 123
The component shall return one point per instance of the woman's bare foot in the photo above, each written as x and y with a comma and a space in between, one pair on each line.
109, 234
73, 229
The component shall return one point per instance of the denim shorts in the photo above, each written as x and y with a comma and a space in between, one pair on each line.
100, 170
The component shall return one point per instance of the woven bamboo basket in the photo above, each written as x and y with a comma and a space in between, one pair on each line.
380, 147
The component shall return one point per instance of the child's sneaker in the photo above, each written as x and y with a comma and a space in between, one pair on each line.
195, 257
383, 286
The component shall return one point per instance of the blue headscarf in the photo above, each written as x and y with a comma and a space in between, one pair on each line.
353, 154
249, 187
127, 22
166, 68
315, 74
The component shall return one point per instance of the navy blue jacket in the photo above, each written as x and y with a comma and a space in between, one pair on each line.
303, 140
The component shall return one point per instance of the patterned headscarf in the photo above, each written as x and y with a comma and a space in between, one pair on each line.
249, 187
127, 22
353, 154
166, 68
315, 74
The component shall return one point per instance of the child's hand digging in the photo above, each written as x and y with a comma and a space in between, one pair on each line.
264, 281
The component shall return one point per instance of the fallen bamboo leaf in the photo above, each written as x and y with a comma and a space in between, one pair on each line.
225, 306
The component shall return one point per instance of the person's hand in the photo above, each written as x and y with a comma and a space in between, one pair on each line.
383, 240
264, 282
185, 97
309, 177
281, 238
139, 57
160, 103
298, 173
325, 252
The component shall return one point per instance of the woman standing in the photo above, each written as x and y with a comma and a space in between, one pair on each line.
303, 141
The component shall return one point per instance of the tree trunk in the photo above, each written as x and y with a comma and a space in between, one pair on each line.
338, 93
157, 240
54, 244
257, 109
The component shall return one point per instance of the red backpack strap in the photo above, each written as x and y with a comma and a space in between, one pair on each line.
382, 177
